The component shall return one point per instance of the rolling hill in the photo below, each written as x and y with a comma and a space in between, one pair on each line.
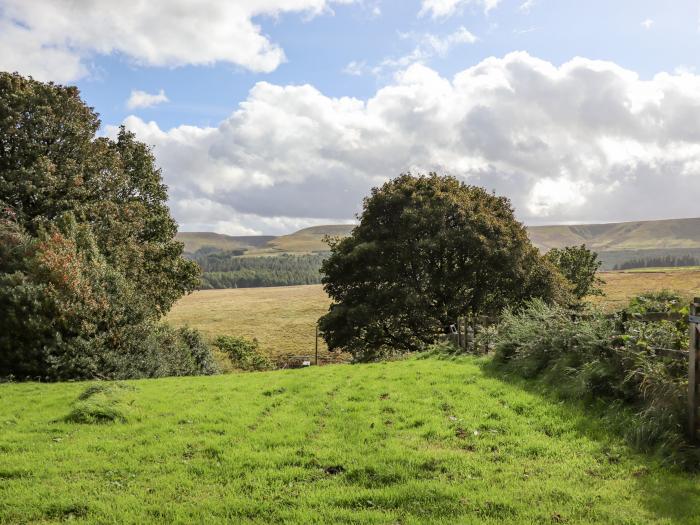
640, 235
310, 239
615, 242
196, 240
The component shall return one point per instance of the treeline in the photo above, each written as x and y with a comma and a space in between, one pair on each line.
229, 270
668, 261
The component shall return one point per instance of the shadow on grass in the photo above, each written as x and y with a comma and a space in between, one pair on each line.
675, 495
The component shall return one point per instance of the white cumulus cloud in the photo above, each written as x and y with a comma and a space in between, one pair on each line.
446, 8
55, 39
583, 141
143, 99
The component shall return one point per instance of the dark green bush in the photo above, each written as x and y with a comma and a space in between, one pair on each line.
595, 357
243, 353
140, 351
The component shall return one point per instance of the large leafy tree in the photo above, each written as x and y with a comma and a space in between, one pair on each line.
88, 240
427, 250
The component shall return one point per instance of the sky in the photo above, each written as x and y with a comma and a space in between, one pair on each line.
267, 116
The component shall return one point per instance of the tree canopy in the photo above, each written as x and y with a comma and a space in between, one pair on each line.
579, 266
427, 250
88, 256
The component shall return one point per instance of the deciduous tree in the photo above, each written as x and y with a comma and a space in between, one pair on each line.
88, 249
579, 266
427, 250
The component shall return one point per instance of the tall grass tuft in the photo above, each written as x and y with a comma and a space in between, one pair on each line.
99, 403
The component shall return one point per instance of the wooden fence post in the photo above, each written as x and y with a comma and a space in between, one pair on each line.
694, 370
459, 332
316, 344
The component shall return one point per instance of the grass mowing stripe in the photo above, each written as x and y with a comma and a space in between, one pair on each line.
462, 446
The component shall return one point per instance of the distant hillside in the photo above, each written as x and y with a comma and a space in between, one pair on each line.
616, 243
196, 240
674, 234
641, 235
310, 239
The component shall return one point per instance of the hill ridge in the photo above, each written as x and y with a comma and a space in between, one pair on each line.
613, 236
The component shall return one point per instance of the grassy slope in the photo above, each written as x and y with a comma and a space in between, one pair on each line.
641, 235
615, 242
309, 239
417, 441
675, 233
195, 240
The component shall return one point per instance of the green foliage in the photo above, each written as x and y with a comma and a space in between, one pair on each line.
427, 250
230, 270
104, 388
579, 266
93, 412
244, 353
597, 357
662, 301
88, 263
70, 315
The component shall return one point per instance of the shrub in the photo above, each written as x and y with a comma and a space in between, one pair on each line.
146, 350
596, 357
101, 388
663, 301
243, 353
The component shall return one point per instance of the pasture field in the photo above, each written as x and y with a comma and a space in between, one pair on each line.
662, 270
412, 441
283, 319
620, 286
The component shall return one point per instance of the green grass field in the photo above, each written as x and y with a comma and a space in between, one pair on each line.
415, 441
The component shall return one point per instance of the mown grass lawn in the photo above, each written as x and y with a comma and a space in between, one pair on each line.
415, 441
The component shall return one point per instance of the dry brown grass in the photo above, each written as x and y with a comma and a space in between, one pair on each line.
621, 286
283, 319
